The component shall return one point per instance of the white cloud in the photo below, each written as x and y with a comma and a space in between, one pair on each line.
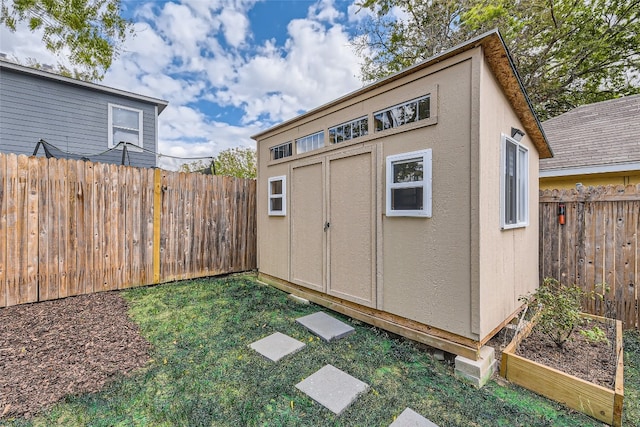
235, 25
189, 51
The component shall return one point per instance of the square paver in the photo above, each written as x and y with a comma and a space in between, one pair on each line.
326, 327
276, 346
410, 418
332, 388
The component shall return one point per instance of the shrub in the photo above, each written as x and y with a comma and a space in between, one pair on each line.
558, 308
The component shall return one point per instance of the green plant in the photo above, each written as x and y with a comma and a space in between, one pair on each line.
594, 335
558, 309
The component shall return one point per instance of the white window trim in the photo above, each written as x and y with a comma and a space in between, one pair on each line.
426, 183
503, 155
282, 196
111, 143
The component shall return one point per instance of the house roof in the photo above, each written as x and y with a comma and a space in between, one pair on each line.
4, 64
501, 64
595, 138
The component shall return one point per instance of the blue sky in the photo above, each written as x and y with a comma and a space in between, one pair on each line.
229, 68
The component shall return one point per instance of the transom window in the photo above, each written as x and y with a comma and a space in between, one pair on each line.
310, 142
125, 125
278, 195
514, 184
350, 130
281, 151
409, 184
402, 114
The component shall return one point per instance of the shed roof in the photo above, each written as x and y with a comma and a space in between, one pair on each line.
594, 138
500, 63
4, 64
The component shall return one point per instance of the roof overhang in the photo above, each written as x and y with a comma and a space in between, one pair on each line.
588, 170
161, 104
500, 63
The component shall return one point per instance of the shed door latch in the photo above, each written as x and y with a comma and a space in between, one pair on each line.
326, 226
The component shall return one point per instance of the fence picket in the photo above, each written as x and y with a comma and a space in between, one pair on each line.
604, 238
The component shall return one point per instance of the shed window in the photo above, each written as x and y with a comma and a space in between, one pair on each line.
125, 125
281, 151
402, 114
409, 184
310, 142
350, 130
278, 196
514, 184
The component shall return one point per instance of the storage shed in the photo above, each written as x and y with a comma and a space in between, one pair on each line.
412, 203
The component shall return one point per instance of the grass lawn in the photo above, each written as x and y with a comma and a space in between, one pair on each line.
203, 373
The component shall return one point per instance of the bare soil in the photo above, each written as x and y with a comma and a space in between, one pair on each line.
52, 349
594, 362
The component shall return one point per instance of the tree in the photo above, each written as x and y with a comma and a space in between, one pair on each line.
92, 30
567, 52
238, 162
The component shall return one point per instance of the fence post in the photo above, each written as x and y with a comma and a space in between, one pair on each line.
157, 208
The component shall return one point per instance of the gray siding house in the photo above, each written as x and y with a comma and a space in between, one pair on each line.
81, 118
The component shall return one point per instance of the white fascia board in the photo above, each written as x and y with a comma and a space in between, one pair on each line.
587, 170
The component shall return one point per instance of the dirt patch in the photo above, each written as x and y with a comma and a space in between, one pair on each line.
594, 362
55, 348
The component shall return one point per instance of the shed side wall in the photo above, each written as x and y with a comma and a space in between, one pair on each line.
508, 259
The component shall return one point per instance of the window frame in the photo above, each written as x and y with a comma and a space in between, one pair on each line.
426, 183
283, 196
289, 153
520, 184
110, 127
361, 123
402, 105
310, 140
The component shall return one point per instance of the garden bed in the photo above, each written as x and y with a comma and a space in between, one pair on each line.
594, 381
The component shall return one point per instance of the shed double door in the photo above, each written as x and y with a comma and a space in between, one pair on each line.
333, 227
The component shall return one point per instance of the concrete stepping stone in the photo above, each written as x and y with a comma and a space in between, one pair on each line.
410, 418
276, 346
332, 388
326, 327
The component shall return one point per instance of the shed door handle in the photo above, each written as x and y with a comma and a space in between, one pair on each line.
326, 226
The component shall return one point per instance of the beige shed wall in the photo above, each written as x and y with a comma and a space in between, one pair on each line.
508, 259
426, 265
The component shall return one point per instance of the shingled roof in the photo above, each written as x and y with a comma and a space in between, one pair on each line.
595, 138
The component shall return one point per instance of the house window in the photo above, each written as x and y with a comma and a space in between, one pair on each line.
278, 195
281, 151
125, 125
514, 184
409, 184
402, 114
310, 142
350, 130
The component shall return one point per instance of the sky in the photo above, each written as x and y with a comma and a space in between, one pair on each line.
228, 68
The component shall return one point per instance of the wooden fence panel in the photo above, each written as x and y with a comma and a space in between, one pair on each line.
599, 244
71, 227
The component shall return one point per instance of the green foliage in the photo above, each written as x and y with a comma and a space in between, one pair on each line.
594, 335
567, 53
558, 309
92, 30
238, 162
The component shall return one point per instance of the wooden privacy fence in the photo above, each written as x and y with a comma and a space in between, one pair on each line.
599, 243
71, 227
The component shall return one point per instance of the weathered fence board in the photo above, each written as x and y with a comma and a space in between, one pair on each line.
598, 244
71, 227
